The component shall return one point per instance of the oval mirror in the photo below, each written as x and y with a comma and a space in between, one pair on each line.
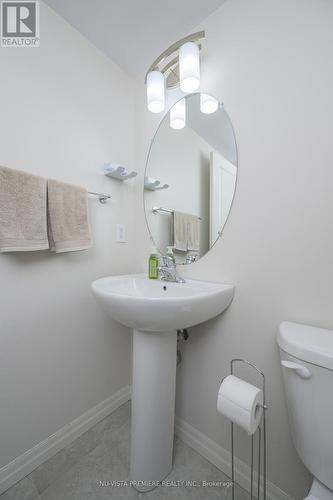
190, 178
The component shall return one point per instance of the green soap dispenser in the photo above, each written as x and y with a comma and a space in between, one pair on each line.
153, 264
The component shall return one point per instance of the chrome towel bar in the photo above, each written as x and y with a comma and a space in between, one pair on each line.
103, 197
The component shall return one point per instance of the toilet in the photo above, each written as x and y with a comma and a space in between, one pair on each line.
307, 364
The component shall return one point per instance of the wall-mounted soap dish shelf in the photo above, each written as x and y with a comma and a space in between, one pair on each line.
118, 172
154, 184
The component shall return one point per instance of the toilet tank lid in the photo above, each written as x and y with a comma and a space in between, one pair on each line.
309, 343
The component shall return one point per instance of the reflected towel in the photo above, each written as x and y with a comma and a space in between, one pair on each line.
193, 233
185, 232
68, 222
22, 211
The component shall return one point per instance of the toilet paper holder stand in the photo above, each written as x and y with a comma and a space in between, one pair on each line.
261, 446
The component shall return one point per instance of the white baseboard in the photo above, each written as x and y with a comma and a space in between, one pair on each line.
28, 461
221, 458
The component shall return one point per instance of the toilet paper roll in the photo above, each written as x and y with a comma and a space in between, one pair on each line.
241, 403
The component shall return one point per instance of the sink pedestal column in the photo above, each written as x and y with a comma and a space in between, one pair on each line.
153, 406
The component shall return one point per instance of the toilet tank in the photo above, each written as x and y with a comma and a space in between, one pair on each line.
307, 365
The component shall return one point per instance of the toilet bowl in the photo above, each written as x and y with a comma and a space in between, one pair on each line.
307, 363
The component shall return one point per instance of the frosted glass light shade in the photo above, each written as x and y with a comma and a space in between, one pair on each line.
208, 104
155, 92
178, 115
189, 67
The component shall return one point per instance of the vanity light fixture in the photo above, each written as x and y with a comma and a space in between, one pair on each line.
208, 104
177, 66
189, 67
178, 115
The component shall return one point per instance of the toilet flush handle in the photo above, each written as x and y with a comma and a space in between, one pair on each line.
301, 370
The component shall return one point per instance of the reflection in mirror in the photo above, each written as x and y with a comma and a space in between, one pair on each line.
190, 178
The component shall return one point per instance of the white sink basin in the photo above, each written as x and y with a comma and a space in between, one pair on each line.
155, 310
154, 305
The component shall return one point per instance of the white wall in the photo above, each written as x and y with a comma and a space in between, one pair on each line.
65, 109
271, 64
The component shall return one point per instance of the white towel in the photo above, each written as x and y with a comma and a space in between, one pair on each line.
22, 211
68, 221
185, 232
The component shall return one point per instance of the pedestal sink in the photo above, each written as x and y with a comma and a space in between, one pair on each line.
155, 309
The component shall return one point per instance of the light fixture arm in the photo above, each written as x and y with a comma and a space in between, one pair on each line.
194, 37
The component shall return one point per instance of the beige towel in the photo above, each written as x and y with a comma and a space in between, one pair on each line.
185, 232
22, 211
68, 223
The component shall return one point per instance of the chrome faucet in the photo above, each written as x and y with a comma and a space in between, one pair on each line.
190, 259
168, 270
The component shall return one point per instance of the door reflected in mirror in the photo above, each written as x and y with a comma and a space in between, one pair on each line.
190, 178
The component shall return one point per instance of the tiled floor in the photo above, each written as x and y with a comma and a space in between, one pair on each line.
87, 468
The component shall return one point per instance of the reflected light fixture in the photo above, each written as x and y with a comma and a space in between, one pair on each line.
208, 104
177, 66
155, 91
178, 115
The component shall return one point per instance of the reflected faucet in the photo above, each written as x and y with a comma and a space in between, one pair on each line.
168, 270
190, 259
